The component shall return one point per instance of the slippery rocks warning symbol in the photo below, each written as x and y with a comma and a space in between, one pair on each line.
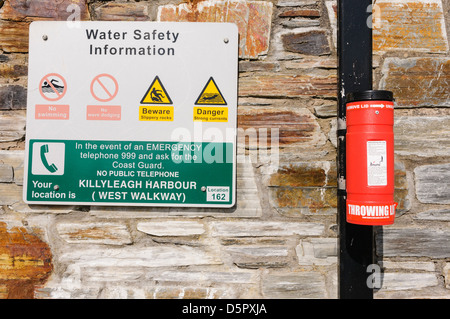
211, 95
156, 94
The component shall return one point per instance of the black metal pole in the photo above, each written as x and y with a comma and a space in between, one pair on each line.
355, 74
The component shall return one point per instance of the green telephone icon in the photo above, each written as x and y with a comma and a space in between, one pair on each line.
51, 167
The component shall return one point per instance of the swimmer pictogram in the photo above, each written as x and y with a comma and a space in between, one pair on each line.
52, 87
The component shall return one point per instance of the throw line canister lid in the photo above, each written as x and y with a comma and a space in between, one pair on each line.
370, 95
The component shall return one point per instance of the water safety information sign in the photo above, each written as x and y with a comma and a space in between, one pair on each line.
132, 113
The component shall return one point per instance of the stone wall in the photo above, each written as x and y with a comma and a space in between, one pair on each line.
281, 239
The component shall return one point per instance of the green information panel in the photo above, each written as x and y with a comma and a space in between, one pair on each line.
136, 173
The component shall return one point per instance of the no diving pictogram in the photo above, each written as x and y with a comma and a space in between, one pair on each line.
52, 87
104, 87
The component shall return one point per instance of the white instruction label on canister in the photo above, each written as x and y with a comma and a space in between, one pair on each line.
376, 163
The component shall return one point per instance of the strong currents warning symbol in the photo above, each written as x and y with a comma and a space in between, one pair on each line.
156, 94
211, 95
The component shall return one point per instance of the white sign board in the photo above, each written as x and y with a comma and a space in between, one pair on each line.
132, 113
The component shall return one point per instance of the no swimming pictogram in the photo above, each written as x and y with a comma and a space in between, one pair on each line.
52, 87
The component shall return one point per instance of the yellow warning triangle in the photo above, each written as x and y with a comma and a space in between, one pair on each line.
211, 95
156, 94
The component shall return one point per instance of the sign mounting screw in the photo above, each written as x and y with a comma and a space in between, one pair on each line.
45, 37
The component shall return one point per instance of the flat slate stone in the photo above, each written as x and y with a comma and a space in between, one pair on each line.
433, 183
313, 42
412, 25
413, 242
425, 136
417, 82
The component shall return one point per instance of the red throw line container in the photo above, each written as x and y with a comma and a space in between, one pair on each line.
370, 158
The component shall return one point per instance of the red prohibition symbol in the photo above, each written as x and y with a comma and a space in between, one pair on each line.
104, 87
53, 87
